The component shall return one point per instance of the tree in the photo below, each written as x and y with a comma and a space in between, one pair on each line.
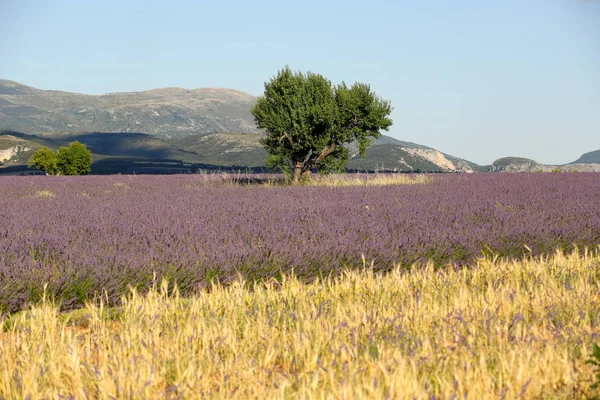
309, 123
73, 160
45, 160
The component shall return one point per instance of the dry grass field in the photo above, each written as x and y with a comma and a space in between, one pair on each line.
499, 329
336, 180
330, 180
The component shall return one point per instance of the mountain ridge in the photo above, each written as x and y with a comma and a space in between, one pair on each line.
168, 112
593, 157
520, 164
209, 125
202, 125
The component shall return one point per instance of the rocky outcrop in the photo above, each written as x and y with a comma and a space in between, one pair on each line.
12, 152
438, 158
516, 164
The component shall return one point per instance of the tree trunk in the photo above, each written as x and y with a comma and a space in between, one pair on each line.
297, 172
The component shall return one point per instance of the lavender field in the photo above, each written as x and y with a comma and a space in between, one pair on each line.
84, 236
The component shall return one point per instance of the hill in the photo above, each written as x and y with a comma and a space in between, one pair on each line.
518, 164
112, 153
210, 126
390, 154
224, 149
593, 157
16, 148
221, 148
385, 154
170, 112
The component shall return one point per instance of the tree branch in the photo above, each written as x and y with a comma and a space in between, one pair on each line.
289, 138
311, 163
325, 153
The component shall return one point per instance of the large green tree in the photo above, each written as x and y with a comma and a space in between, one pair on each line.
73, 160
309, 122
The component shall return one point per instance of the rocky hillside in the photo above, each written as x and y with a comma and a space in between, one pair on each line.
385, 154
225, 149
516, 164
170, 112
16, 148
212, 126
592, 157
389, 154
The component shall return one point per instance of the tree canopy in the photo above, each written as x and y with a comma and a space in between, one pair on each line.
45, 160
309, 122
73, 160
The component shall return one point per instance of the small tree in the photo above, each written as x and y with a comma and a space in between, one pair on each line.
45, 160
73, 160
308, 122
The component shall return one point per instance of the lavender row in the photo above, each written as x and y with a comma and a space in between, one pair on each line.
87, 235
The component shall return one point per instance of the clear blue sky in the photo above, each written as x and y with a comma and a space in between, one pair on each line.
478, 79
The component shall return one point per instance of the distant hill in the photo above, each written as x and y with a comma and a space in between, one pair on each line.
593, 157
390, 154
224, 148
16, 148
209, 126
385, 153
170, 112
139, 145
518, 164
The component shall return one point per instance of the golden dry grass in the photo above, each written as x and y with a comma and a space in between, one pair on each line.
500, 329
44, 194
367, 180
331, 180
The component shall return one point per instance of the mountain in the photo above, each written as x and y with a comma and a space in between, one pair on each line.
207, 126
170, 112
593, 157
517, 164
390, 154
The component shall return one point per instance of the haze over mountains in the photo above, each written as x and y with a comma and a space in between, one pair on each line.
207, 126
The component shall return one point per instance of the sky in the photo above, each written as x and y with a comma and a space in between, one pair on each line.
474, 79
